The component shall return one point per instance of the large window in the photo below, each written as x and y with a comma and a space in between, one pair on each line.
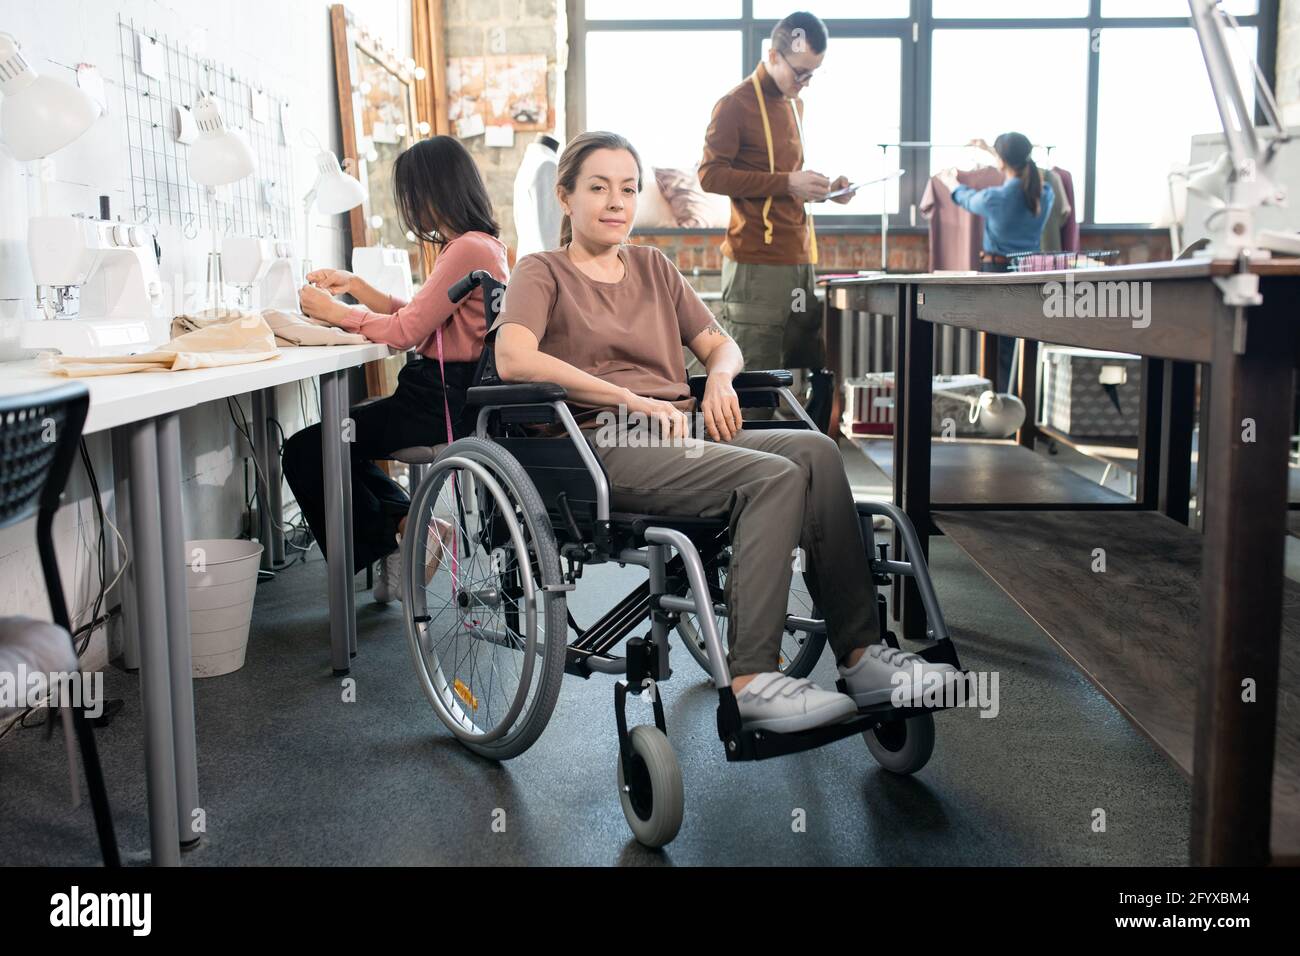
1110, 90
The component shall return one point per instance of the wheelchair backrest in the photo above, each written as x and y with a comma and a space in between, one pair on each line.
563, 482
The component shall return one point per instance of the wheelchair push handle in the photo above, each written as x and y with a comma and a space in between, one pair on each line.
463, 287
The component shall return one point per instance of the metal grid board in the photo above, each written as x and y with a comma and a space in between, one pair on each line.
161, 189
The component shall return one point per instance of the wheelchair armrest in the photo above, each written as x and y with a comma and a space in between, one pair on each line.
519, 393
776, 378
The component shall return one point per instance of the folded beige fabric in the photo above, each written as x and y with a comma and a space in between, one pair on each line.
290, 328
240, 340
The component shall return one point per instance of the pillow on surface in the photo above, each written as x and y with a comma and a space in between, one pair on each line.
691, 206
652, 209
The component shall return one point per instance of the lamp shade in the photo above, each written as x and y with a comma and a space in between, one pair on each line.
220, 156
39, 114
1212, 183
336, 191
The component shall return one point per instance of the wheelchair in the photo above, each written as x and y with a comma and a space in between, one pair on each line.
489, 628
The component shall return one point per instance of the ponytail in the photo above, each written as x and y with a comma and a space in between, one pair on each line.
566, 231
1032, 181
1016, 151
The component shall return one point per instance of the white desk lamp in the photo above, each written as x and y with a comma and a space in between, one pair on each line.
39, 115
334, 192
1242, 180
219, 157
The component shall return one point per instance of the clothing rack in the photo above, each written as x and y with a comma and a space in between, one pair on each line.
884, 195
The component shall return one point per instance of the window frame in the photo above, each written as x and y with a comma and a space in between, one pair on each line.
916, 66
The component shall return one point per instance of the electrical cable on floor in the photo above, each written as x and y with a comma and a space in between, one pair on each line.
96, 620
290, 529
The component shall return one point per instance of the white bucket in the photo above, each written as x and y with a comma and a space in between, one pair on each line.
222, 580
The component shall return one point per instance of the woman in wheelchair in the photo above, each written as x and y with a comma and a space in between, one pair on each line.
606, 321
443, 201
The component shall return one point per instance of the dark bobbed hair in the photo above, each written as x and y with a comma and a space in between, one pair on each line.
440, 191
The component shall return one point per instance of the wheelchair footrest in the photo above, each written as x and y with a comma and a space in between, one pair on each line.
941, 652
764, 744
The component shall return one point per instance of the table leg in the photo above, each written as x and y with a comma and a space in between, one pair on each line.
1178, 414
900, 439
130, 617
1028, 392
1150, 432
155, 685
832, 323
915, 477
1241, 591
180, 649
336, 539
274, 479
260, 456
345, 476
1204, 448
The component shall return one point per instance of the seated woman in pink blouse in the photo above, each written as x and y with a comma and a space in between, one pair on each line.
442, 200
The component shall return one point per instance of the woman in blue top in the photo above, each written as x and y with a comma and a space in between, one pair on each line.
1014, 215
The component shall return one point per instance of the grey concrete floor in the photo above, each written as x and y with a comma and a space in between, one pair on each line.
291, 774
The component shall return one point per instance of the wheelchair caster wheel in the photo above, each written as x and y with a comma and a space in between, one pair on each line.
651, 791
902, 746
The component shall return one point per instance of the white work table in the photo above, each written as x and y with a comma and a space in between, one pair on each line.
142, 411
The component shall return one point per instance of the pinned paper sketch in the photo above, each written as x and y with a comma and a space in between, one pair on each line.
486, 91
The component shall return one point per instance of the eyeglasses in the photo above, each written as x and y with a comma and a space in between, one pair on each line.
800, 76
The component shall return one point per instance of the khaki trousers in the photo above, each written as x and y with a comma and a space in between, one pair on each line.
780, 489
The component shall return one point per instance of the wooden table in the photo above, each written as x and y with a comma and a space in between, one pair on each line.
1178, 627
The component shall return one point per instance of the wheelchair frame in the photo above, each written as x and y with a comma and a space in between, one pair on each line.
647, 540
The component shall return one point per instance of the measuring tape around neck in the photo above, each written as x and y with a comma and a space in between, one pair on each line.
771, 163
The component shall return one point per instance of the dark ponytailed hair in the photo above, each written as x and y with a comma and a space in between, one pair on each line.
1017, 152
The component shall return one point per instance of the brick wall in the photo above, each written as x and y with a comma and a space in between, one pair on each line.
525, 26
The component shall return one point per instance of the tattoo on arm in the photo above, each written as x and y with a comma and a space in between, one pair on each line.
715, 329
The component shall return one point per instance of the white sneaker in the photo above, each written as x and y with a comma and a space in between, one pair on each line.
775, 702
388, 582
872, 679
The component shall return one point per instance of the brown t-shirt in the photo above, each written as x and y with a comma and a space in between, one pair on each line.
629, 333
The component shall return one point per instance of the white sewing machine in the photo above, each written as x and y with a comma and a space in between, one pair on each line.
97, 285
266, 272
386, 268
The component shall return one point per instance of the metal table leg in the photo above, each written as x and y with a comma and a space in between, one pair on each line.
155, 686
274, 478
260, 456
130, 618
914, 479
345, 475
180, 650
336, 538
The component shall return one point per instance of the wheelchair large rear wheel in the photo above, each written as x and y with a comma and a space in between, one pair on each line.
800, 648
487, 641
